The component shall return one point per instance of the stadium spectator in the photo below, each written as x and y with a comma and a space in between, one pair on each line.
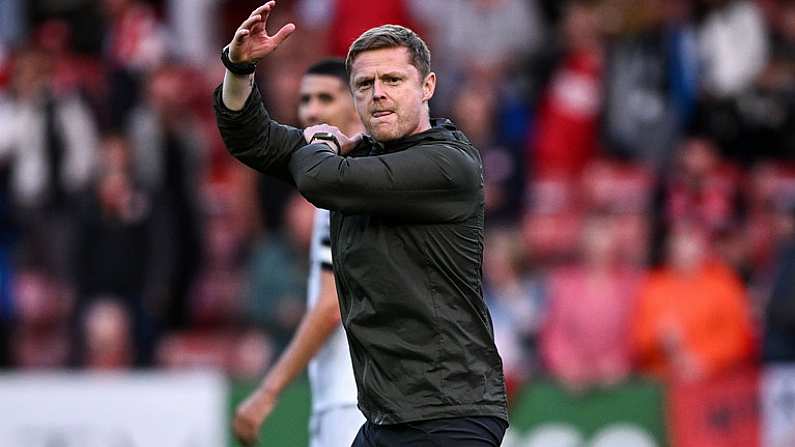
703, 189
779, 316
566, 127
49, 141
692, 319
475, 112
502, 33
169, 154
216, 294
733, 46
516, 297
107, 335
585, 338
40, 336
118, 242
650, 81
277, 273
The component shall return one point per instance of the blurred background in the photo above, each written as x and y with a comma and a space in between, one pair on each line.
640, 187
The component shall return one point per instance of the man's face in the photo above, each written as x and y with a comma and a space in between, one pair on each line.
325, 99
390, 94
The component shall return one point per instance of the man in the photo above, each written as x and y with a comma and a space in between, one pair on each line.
324, 98
406, 235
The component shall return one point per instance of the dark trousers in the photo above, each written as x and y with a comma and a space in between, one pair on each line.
472, 431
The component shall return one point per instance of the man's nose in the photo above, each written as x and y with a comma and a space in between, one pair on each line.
378, 90
313, 111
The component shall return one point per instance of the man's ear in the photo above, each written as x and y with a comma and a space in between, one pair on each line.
428, 86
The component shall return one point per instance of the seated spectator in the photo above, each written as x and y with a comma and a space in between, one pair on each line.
568, 116
107, 335
733, 45
692, 319
702, 188
551, 224
624, 190
515, 297
48, 138
40, 332
277, 274
779, 295
216, 293
121, 248
168, 154
475, 113
650, 82
584, 341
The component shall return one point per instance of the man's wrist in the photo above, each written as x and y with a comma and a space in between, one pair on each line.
238, 68
327, 138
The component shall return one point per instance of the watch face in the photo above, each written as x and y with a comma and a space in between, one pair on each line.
326, 136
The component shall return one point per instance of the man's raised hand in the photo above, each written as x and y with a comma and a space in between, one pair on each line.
252, 42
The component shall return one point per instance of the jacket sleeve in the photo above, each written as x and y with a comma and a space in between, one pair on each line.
427, 183
254, 138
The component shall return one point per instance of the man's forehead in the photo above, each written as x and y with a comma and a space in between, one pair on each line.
314, 83
369, 62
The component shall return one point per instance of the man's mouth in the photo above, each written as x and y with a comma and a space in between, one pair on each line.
380, 113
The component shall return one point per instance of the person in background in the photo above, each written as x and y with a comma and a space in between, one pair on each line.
319, 340
692, 320
584, 341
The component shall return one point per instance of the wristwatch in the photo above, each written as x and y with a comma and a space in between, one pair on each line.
326, 136
238, 68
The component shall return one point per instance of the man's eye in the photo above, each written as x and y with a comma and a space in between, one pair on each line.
392, 81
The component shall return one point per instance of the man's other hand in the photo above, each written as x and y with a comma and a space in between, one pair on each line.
346, 143
249, 417
252, 42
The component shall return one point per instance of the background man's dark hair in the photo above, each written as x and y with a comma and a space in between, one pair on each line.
330, 67
392, 36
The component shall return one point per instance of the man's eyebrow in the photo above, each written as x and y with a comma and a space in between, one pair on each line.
393, 74
363, 78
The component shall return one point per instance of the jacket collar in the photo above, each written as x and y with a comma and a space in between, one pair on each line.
442, 129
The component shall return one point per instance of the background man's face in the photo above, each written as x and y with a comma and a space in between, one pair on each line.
389, 93
325, 99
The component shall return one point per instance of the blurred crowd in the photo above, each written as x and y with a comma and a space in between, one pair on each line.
640, 181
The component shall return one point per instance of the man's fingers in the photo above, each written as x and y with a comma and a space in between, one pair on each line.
250, 22
241, 34
266, 12
265, 7
283, 33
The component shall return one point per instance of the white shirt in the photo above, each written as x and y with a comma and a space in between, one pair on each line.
330, 371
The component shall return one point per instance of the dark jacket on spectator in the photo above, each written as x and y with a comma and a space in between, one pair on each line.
779, 337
